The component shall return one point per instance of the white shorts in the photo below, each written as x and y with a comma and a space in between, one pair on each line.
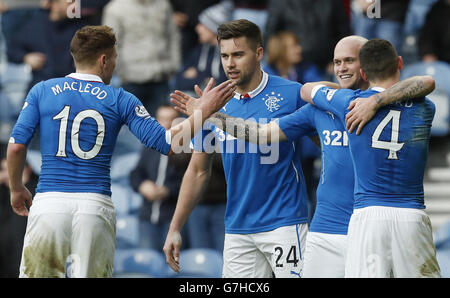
74, 229
390, 242
325, 255
260, 255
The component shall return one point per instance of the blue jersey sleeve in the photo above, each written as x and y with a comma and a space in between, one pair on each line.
298, 124
335, 101
141, 124
28, 119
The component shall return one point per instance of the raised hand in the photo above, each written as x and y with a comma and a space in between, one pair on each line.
211, 99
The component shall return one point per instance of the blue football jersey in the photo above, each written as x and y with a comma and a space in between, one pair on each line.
335, 188
79, 119
265, 183
390, 154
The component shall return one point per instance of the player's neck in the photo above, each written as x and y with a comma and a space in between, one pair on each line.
386, 84
252, 84
91, 71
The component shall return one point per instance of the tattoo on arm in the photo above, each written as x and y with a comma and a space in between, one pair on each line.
408, 89
246, 130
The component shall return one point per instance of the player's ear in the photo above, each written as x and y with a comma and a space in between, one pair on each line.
363, 75
400, 63
103, 59
259, 53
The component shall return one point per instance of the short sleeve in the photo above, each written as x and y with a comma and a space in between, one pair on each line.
334, 100
29, 118
298, 124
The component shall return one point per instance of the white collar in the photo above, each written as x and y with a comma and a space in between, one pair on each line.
85, 77
259, 89
379, 89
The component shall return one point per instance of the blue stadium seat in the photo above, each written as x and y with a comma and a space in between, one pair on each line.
144, 263
440, 71
199, 263
442, 236
127, 231
443, 258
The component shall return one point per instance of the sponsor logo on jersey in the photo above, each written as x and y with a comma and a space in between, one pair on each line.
141, 111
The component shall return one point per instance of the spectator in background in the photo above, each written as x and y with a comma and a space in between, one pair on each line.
15, 14
252, 10
204, 61
157, 178
284, 58
434, 39
43, 42
149, 51
12, 226
319, 24
186, 18
387, 22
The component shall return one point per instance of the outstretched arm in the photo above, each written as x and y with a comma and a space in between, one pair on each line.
247, 130
363, 109
306, 91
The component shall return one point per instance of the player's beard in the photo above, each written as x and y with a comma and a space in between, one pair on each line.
246, 76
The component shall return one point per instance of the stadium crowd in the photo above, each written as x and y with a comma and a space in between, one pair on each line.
167, 45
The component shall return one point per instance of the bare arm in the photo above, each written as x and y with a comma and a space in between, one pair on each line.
194, 184
247, 130
20, 195
363, 109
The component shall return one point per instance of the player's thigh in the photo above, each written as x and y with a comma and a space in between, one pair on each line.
93, 240
324, 255
413, 250
242, 259
284, 249
47, 238
369, 246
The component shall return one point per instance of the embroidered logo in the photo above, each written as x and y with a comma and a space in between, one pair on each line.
272, 101
141, 112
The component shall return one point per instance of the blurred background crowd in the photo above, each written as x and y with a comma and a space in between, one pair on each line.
165, 45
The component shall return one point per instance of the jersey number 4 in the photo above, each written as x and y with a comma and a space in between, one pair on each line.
63, 116
393, 145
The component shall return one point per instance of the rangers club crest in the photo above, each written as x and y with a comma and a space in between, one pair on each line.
272, 102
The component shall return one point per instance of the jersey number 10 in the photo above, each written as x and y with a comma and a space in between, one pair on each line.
63, 116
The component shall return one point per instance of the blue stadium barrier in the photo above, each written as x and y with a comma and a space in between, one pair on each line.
440, 71
127, 231
199, 263
139, 263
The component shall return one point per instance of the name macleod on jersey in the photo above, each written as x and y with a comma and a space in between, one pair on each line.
81, 87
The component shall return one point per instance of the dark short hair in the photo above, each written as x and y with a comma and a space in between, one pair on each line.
90, 42
241, 28
379, 59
